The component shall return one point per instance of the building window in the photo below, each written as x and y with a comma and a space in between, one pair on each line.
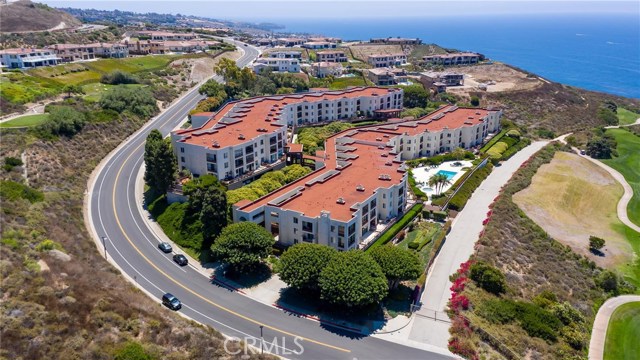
181, 149
182, 158
295, 220
307, 226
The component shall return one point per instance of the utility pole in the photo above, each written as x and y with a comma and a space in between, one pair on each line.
104, 245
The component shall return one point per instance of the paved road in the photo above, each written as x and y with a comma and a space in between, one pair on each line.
458, 248
600, 324
112, 212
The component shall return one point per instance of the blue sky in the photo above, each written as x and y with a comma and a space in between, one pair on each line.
266, 10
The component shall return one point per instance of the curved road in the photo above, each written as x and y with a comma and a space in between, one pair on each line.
112, 213
601, 323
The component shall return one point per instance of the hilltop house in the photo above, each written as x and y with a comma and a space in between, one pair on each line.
19, 58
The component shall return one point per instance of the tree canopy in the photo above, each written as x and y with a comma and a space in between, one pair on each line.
243, 245
352, 279
63, 120
138, 101
397, 264
208, 202
603, 147
302, 264
415, 96
160, 163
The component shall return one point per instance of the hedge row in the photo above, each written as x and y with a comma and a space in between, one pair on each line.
391, 232
459, 200
514, 149
493, 140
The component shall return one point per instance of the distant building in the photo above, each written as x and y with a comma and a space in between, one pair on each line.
285, 54
387, 60
331, 56
326, 39
386, 76
165, 35
290, 42
20, 58
324, 69
319, 45
144, 47
396, 41
75, 52
453, 59
446, 78
277, 65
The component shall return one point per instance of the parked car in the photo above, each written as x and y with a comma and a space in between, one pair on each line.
180, 259
165, 247
171, 302
582, 152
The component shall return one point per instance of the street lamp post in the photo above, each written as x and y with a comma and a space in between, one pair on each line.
104, 245
261, 341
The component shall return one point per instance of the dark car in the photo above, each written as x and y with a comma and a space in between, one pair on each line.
171, 302
165, 247
180, 259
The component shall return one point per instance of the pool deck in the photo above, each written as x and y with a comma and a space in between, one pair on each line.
422, 174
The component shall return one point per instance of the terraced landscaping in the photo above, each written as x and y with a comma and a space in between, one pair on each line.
623, 333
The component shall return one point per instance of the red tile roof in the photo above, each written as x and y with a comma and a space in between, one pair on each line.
255, 114
371, 158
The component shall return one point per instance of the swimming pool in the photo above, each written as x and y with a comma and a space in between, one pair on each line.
448, 174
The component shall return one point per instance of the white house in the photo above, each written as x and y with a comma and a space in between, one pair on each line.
276, 64
387, 60
324, 69
28, 58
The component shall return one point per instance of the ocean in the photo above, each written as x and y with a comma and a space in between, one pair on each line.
595, 52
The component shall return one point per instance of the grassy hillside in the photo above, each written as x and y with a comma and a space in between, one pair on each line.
24, 15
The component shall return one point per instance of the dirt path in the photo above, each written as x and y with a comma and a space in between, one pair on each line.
601, 323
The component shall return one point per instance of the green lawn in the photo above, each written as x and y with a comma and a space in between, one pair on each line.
423, 230
626, 117
627, 163
342, 83
623, 333
65, 74
131, 65
24, 121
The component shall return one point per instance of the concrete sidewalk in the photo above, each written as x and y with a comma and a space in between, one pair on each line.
601, 323
457, 249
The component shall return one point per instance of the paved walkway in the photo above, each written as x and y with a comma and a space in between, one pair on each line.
458, 248
599, 332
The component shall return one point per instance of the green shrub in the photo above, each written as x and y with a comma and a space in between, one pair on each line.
498, 311
118, 77
513, 133
439, 215
497, 149
46, 245
11, 162
132, 351
488, 277
459, 200
11, 190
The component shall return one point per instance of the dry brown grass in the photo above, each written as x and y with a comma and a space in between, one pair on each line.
361, 51
572, 199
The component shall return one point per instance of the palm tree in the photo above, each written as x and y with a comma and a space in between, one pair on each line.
439, 181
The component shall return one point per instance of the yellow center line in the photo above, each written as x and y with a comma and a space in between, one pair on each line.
191, 291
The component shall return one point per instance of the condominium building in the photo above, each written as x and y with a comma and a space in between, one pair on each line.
387, 60
324, 69
447, 78
386, 76
290, 41
331, 56
453, 59
249, 134
396, 41
285, 55
276, 64
319, 45
19, 58
78, 52
165, 35
362, 179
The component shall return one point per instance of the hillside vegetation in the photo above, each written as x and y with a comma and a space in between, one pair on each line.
24, 15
